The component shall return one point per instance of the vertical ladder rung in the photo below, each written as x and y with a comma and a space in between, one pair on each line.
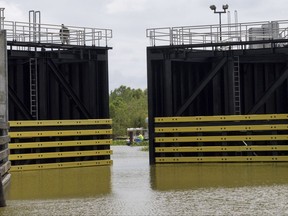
33, 88
236, 76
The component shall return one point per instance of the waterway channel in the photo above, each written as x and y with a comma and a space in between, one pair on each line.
132, 187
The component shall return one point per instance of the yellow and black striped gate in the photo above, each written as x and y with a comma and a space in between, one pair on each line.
59, 143
229, 138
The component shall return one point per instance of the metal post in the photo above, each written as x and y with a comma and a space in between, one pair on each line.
220, 27
171, 36
151, 38
229, 26
84, 37
31, 16
33, 25
225, 7
2, 17
106, 37
38, 25
93, 37
236, 25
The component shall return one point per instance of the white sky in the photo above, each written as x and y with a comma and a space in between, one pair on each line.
129, 20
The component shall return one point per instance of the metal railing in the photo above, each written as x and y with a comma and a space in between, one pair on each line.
48, 33
210, 34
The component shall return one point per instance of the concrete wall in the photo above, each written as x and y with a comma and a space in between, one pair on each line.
3, 78
3, 112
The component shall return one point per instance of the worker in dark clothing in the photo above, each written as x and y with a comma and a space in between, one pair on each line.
64, 34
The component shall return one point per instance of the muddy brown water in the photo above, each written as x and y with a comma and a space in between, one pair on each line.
132, 187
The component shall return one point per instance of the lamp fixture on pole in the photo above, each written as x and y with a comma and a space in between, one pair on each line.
224, 7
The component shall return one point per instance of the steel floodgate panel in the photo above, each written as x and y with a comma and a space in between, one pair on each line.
37, 145
58, 94
41, 64
228, 90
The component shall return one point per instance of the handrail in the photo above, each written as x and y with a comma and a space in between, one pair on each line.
49, 33
202, 34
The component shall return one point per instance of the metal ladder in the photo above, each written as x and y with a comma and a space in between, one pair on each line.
236, 75
33, 88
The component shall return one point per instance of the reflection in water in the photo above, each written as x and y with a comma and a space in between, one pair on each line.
60, 183
192, 176
135, 188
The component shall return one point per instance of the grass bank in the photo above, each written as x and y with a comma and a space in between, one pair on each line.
144, 144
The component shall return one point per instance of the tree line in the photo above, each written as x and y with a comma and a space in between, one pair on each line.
128, 109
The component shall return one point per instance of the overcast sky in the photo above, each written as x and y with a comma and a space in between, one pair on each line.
129, 20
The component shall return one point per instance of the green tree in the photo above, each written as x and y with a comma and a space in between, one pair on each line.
128, 109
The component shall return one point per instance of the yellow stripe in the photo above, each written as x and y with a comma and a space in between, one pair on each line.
60, 122
60, 165
60, 144
221, 159
13, 157
221, 138
221, 148
221, 128
221, 118
59, 133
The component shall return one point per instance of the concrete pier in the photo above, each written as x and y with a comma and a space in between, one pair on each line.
3, 104
3, 78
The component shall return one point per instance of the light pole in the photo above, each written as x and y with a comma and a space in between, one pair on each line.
225, 7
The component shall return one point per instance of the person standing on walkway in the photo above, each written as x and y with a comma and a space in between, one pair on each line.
64, 34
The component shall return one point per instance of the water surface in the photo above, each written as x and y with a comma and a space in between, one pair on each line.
132, 187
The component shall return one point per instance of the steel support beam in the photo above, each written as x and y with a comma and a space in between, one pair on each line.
22, 108
67, 88
217, 105
168, 94
202, 85
269, 91
103, 89
42, 90
92, 88
151, 113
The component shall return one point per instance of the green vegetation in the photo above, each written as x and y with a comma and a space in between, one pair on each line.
145, 148
119, 142
128, 109
144, 144
123, 142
